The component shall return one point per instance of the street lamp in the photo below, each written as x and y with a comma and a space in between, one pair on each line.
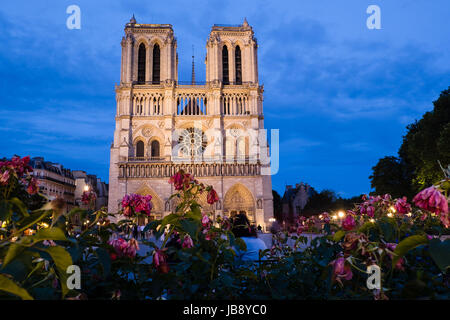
86, 188
341, 214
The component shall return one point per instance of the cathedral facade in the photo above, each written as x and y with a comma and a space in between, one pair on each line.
213, 130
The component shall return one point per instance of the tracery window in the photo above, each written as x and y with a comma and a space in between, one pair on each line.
140, 149
192, 142
156, 73
141, 63
225, 69
154, 147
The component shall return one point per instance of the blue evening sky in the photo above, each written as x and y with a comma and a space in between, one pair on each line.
340, 94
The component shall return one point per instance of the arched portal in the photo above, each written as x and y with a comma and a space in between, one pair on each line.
239, 199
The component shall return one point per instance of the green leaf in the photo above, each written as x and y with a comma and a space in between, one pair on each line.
190, 227
387, 227
338, 235
7, 285
408, 244
196, 211
49, 234
169, 219
152, 225
20, 206
440, 252
13, 251
366, 226
5, 210
62, 260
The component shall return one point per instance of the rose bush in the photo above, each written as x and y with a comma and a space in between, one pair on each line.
323, 257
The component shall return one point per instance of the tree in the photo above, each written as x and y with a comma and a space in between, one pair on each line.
320, 202
426, 142
277, 207
390, 175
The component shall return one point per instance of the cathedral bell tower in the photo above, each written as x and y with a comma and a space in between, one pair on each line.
231, 56
148, 54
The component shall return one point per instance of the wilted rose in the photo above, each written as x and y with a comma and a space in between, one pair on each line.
341, 270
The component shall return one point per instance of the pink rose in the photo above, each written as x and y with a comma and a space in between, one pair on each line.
205, 219
432, 200
349, 222
212, 196
370, 211
160, 261
135, 204
124, 248
341, 270
402, 206
187, 243
181, 180
4, 178
33, 186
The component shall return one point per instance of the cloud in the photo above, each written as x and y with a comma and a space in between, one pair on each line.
340, 94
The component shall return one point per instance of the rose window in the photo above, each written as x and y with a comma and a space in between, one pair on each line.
192, 142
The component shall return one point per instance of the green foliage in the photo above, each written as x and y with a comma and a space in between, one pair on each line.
391, 176
38, 245
407, 245
425, 143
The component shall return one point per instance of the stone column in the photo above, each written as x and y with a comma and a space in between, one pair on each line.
231, 64
129, 59
148, 64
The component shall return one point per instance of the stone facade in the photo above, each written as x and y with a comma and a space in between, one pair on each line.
214, 130
54, 181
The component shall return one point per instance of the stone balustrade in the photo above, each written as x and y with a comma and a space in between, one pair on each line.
129, 170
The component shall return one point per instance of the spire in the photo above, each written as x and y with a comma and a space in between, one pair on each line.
133, 19
193, 67
245, 24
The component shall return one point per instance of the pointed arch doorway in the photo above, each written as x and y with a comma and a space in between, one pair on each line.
238, 199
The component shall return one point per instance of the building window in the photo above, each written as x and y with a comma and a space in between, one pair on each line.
238, 64
156, 77
225, 78
141, 64
140, 149
155, 148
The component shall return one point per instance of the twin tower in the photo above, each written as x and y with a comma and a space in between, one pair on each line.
149, 55
212, 129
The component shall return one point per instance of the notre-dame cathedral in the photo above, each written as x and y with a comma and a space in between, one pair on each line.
213, 130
